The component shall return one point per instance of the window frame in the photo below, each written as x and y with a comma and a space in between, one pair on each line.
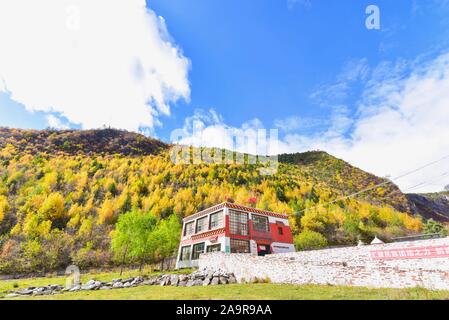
280, 231
194, 252
186, 227
236, 226
220, 220
212, 246
181, 256
267, 229
234, 240
205, 224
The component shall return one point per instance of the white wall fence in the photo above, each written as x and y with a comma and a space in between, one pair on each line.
422, 263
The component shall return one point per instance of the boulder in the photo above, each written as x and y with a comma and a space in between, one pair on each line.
182, 283
210, 274
105, 288
75, 288
232, 279
12, 295
117, 285
206, 281
223, 280
25, 292
90, 282
88, 287
174, 279
190, 283
127, 285
198, 282
215, 281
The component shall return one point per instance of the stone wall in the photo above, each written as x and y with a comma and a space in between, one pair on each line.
422, 263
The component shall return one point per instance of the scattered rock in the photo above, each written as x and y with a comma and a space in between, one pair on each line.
25, 292
174, 279
197, 278
75, 288
198, 282
215, 281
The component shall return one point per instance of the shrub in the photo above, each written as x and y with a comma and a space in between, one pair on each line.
433, 226
310, 240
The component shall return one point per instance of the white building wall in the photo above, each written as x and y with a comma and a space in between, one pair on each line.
351, 266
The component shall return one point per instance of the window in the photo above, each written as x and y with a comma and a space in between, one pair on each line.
239, 246
260, 223
189, 229
280, 230
214, 248
238, 223
216, 220
185, 253
197, 250
201, 224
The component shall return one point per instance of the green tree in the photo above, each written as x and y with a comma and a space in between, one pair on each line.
165, 238
131, 240
308, 239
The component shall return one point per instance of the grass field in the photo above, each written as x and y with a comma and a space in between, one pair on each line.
223, 292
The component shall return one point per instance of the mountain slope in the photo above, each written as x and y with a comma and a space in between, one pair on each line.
61, 193
346, 179
431, 205
84, 142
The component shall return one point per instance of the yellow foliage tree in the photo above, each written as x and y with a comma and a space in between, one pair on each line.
4, 207
53, 207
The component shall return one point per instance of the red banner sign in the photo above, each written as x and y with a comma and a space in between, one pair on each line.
411, 253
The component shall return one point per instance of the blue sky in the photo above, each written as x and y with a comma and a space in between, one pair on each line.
309, 68
265, 60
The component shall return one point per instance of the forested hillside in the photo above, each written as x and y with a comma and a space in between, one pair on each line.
62, 192
431, 205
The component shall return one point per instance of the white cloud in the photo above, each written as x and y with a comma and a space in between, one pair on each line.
402, 123
208, 129
329, 94
55, 122
102, 62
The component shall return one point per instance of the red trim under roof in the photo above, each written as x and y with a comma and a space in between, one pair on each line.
236, 207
